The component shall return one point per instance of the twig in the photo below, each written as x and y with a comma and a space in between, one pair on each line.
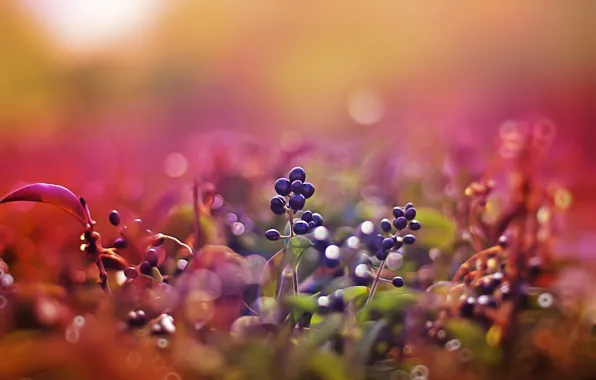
375, 282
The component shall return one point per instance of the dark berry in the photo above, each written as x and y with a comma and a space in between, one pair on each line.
400, 223
398, 282
131, 273
301, 227
487, 301
414, 225
297, 173
324, 304
386, 225
409, 205
497, 279
398, 212
115, 218
387, 243
410, 213
503, 241
409, 239
317, 218
297, 202
363, 280
145, 268
312, 225
337, 300
467, 307
398, 242
151, 256
120, 243
308, 190
283, 187
306, 216
297, 186
272, 234
382, 255
278, 204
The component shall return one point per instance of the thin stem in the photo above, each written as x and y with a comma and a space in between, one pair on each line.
103, 277
197, 216
181, 244
375, 282
294, 267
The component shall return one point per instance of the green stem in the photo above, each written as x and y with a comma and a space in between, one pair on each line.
375, 282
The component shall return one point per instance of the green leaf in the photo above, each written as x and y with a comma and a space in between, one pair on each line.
437, 230
354, 293
316, 319
328, 366
386, 303
305, 303
364, 346
297, 245
272, 273
470, 334
321, 333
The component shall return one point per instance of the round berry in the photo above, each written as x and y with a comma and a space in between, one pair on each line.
297, 186
312, 225
503, 241
278, 204
386, 225
317, 218
467, 308
414, 225
409, 239
387, 243
131, 272
297, 202
382, 255
120, 243
282, 186
306, 216
145, 268
151, 256
410, 213
115, 218
398, 242
398, 282
301, 227
308, 189
297, 173
409, 205
398, 211
337, 300
324, 304
400, 223
272, 234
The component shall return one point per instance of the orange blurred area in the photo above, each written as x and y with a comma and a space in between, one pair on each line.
124, 101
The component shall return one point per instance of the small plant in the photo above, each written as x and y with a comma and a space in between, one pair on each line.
347, 302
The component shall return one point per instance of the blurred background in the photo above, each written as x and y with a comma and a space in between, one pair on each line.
127, 101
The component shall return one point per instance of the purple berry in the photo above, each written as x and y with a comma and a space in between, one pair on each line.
400, 223
397, 212
301, 227
297, 202
131, 273
272, 234
409, 239
317, 218
410, 213
145, 268
297, 186
120, 243
398, 282
278, 204
409, 205
387, 243
115, 218
297, 173
306, 216
414, 225
382, 255
312, 225
282, 186
468, 306
308, 189
503, 241
386, 225
151, 256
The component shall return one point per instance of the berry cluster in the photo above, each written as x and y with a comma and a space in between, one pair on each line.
136, 318
163, 325
292, 193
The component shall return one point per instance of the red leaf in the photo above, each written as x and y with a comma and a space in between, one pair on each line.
56, 195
